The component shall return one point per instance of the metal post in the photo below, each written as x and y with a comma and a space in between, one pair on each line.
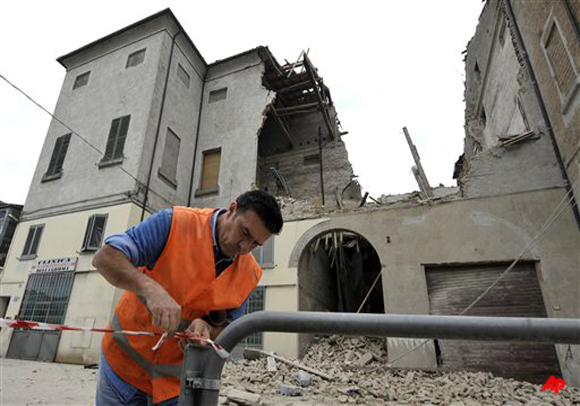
519, 329
320, 157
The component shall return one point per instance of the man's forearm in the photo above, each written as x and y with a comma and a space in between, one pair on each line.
121, 273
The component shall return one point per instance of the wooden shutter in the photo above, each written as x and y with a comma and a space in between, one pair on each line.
58, 154
110, 148
560, 60
170, 155
121, 137
210, 171
65, 140
28, 243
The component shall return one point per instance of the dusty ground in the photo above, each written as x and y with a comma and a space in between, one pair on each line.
355, 364
41, 383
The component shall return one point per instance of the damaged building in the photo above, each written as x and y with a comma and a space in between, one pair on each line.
144, 123
199, 134
513, 222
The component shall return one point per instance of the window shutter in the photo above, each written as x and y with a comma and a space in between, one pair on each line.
94, 232
36, 240
28, 243
65, 140
170, 155
97, 232
211, 169
122, 135
110, 148
268, 253
87, 237
54, 157
560, 60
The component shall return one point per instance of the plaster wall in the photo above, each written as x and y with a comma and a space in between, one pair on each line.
112, 91
498, 88
469, 231
232, 124
180, 115
281, 298
535, 19
92, 298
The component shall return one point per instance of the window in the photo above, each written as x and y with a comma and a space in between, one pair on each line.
168, 168
217, 95
81, 80
32, 241
57, 159
136, 58
210, 171
46, 297
560, 62
265, 254
312, 159
116, 141
94, 233
183, 75
255, 304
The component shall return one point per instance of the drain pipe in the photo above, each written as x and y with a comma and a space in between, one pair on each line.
520, 42
202, 367
196, 139
158, 124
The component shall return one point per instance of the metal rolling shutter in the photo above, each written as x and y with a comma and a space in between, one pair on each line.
452, 289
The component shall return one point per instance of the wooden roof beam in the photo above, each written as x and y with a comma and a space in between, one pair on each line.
321, 105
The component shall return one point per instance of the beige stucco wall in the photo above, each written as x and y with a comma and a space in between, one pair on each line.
92, 298
478, 230
280, 285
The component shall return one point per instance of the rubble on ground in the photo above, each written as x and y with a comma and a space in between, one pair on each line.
361, 377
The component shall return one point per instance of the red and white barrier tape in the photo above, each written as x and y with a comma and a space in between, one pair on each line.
62, 327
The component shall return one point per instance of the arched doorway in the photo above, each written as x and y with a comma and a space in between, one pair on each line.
339, 271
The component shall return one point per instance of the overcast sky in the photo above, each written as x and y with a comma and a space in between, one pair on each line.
388, 64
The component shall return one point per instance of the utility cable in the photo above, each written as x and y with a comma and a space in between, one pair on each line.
82, 138
560, 207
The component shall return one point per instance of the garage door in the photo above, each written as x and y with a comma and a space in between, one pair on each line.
452, 289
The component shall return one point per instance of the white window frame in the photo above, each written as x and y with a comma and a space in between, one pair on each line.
261, 252
90, 230
34, 238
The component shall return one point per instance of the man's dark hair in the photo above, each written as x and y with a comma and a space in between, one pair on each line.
265, 206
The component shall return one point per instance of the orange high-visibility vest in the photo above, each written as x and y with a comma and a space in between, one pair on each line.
186, 270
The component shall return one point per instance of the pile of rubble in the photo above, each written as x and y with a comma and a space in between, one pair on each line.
352, 370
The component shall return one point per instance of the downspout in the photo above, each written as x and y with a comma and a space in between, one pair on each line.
158, 125
520, 42
196, 139
320, 157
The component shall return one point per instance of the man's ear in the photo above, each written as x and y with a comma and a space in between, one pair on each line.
233, 206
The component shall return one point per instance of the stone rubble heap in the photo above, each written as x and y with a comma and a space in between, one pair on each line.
360, 377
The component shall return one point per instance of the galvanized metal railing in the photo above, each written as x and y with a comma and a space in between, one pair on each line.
202, 367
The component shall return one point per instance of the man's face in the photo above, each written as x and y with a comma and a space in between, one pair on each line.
240, 233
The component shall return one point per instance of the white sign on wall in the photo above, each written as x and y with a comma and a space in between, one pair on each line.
54, 265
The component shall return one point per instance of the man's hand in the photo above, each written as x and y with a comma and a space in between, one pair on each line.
165, 311
120, 272
200, 329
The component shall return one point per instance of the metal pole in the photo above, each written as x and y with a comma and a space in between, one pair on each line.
320, 157
519, 329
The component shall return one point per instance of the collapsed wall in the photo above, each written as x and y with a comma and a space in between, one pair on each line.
507, 148
300, 150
